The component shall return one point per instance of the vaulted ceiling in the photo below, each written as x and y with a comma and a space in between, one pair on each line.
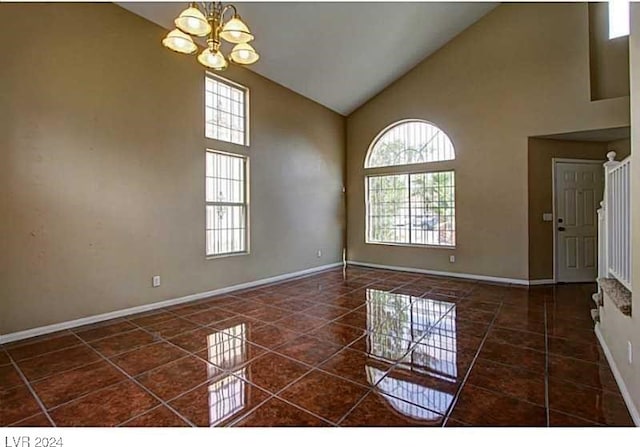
340, 54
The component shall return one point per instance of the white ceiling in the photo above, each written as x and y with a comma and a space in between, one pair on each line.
339, 54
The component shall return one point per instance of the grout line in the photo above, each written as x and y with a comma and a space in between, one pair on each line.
33, 392
137, 383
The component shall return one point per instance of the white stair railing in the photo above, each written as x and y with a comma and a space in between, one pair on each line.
614, 219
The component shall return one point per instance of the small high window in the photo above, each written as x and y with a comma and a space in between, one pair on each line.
618, 18
410, 200
226, 111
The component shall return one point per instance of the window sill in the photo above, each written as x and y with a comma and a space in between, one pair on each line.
396, 244
226, 255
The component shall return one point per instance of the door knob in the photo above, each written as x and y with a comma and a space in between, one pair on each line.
560, 228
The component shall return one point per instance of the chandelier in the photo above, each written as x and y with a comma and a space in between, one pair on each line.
208, 19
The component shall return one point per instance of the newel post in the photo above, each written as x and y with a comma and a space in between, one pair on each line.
605, 218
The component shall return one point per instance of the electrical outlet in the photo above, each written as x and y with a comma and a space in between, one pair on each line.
319, 253
452, 259
155, 281
630, 352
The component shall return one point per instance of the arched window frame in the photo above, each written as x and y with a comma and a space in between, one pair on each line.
413, 225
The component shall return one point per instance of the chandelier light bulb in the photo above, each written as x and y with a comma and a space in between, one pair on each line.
244, 54
213, 59
179, 42
193, 22
236, 31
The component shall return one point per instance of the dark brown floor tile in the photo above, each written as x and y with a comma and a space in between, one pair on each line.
147, 357
516, 321
355, 365
230, 353
248, 325
66, 386
9, 377
483, 306
557, 419
513, 356
28, 348
345, 302
219, 403
478, 407
268, 314
309, 350
273, 372
127, 341
571, 333
558, 323
326, 312
431, 362
381, 410
270, 336
301, 323
17, 403
357, 318
324, 395
4, 358
193, 341
191, 308
107, 407
55, 362
171, 327
158, 417
589, 352
337, 333
295, 305
277, 413
517, 338
515, 382
151, 317
210, 316
597, 375
104, 329
588, 403
177, 377
39, 420
455, 423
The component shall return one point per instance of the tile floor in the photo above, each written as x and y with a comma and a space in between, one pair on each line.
361, 348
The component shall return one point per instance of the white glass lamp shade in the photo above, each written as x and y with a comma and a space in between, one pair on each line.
244, 54
212, 59
180, 42
193, 22
235, 31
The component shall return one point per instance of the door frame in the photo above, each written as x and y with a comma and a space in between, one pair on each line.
554, 162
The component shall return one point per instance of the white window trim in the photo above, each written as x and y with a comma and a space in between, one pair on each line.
247, 208
247, 109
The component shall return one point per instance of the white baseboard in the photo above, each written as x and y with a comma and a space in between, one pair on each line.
541, 282
15, 336
521, 282
633, 411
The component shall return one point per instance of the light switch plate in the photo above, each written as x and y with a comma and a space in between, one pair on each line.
547, 217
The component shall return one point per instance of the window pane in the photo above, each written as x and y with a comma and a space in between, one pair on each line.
226, 208
433, 208
410, 142
388, 208
224, 111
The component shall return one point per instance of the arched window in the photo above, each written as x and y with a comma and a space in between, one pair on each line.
410, 197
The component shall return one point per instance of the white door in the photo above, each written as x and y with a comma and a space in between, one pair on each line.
578, 192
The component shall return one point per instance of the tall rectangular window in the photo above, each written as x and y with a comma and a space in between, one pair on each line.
618, 18
226, 111
226, 203
416, 209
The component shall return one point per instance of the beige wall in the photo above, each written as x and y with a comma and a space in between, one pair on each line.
499, 82
622, 148
609, 58
102, 159
616, 328
541, 155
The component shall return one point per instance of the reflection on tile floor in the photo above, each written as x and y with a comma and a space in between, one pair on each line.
360, 347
